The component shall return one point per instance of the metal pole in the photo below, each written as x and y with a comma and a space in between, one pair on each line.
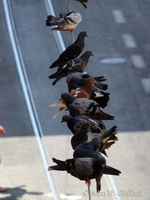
89, 190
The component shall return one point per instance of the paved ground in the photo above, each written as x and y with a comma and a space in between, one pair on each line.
115, 29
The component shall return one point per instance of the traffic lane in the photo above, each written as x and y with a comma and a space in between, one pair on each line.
18, 148
130, 105
39, 50
14, 115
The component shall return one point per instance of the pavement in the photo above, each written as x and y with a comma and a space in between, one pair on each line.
121, 46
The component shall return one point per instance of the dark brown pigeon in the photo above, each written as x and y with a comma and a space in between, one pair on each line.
73, 51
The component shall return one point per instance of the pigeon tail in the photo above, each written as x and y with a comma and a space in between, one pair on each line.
59, 104
85, 6
57, 79
61, 165
60, 110
111, 171
110, 134
57, 63
101, 86
51, 20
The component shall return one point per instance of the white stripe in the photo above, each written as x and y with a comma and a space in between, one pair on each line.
138, 61
112, 189
57, 34
146, 84
129, 41
118, 16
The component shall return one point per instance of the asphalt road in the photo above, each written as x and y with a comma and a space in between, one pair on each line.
119, 37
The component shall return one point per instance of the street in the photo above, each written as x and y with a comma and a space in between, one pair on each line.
119, 37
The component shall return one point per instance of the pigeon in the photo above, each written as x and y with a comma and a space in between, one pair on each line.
75, 121
82, 2
85, 106
83, 76
78, 64
94, 148
75, 125
85, 90
65, 22
96, 94
85, 168
83, 140
73, 51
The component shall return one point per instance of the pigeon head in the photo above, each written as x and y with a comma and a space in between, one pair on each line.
75, 82
73, 110
101, 161
82, 35
67, 98
90, 53
65, 118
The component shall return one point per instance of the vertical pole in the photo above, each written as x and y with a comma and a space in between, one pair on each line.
89, 190
69, 1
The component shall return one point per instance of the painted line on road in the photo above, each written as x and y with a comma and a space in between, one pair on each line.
119, 16
146, 84
129, 40
57, 34
29, 98
138, 61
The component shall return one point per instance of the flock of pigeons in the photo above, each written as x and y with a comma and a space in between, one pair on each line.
85, 97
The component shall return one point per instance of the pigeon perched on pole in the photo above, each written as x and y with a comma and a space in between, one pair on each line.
65, 22
96, 142
96, 94
85, 168
71, 52
70, 80
85, 106
78, 64
75, 121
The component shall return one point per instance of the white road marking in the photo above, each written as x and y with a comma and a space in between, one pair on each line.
64, 196
118, 16
138, 61
129, 41
146, 84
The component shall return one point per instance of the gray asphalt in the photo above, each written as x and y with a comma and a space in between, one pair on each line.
22, 170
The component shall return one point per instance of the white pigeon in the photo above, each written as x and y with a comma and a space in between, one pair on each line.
65, 22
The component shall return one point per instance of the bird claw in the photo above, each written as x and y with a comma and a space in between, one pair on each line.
88, 182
